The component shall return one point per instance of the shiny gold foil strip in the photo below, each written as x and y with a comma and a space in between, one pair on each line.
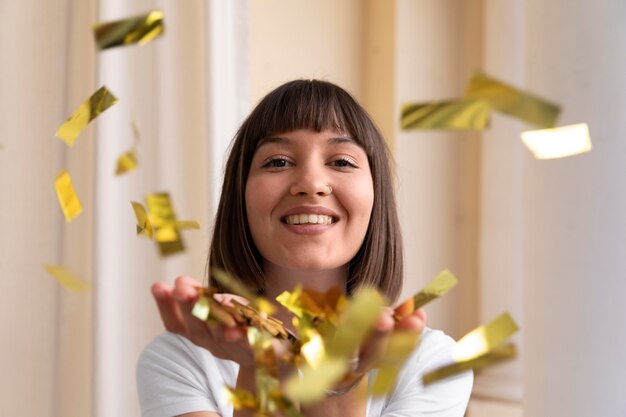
127, 162
137, 29
100, 101
497, 355
144, 227
354, 326
558, 142
187, 224
236, 287
68, 200
512, 101
263, 321
68, 280
400, 346
163, 219
438, 286
202, 308
484, 338
463, 114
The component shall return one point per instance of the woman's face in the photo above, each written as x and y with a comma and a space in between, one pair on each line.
309, 198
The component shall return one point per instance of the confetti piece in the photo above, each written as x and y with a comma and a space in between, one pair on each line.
317, 305
236, 287
127, 162
68, 199
484, 338
68, 280
440, 285
355, 324
510, 100
263, 321
464, 114
201, 308
497, 355
400, 346
163, 219
100, 101
144, 227
478, 349
558, 142
137, 29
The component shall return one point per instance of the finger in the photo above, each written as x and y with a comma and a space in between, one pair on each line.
186, 289
168, 308
414, 322
225, 298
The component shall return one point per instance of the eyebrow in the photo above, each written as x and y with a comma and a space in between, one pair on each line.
285, 141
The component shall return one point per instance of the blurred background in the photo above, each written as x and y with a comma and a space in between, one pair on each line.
542, 239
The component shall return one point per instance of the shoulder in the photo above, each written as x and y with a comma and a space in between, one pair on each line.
175, 376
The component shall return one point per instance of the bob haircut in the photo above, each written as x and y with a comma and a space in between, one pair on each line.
315, 105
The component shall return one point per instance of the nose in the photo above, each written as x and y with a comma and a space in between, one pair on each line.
310, 181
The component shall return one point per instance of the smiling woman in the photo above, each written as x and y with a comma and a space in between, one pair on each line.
307, 199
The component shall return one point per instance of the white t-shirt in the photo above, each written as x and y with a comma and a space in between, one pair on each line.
174, 377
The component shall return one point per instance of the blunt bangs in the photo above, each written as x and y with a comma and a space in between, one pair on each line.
306, 104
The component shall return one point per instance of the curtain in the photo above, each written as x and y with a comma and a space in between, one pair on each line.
74, 354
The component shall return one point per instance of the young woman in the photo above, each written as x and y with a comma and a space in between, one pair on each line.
307, 199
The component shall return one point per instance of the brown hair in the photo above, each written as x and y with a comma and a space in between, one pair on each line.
316, 105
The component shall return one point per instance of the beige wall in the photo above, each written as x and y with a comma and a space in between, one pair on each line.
305, 39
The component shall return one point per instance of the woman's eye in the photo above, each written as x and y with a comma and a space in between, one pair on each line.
343, 163
276, 163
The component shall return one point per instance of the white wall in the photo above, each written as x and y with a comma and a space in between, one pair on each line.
575, 215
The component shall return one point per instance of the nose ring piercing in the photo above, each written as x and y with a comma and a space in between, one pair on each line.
330, 189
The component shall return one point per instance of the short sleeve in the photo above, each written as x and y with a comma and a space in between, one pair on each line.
173, 378
446, 398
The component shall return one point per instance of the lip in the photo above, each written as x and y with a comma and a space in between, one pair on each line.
310, 210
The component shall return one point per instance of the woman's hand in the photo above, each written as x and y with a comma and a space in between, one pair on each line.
175, 306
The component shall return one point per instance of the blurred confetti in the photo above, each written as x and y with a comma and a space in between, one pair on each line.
137, 29
558, 142
100, 101
68, 280
68, 200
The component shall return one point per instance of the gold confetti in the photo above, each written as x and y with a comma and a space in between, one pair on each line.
317, 305
355, 324
67, 196
558, 142
187, 224
126, 162
440, 285
497, 355
137, 29
163, 219
202, 308
484, 338
400, 346
478, 349
68, 280
463, 114
100, 101
263, 321
236, 287
510, 100
144, 227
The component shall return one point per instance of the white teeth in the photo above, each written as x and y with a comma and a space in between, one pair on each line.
308, 219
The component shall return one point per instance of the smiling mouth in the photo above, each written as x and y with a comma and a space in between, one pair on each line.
309, 219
